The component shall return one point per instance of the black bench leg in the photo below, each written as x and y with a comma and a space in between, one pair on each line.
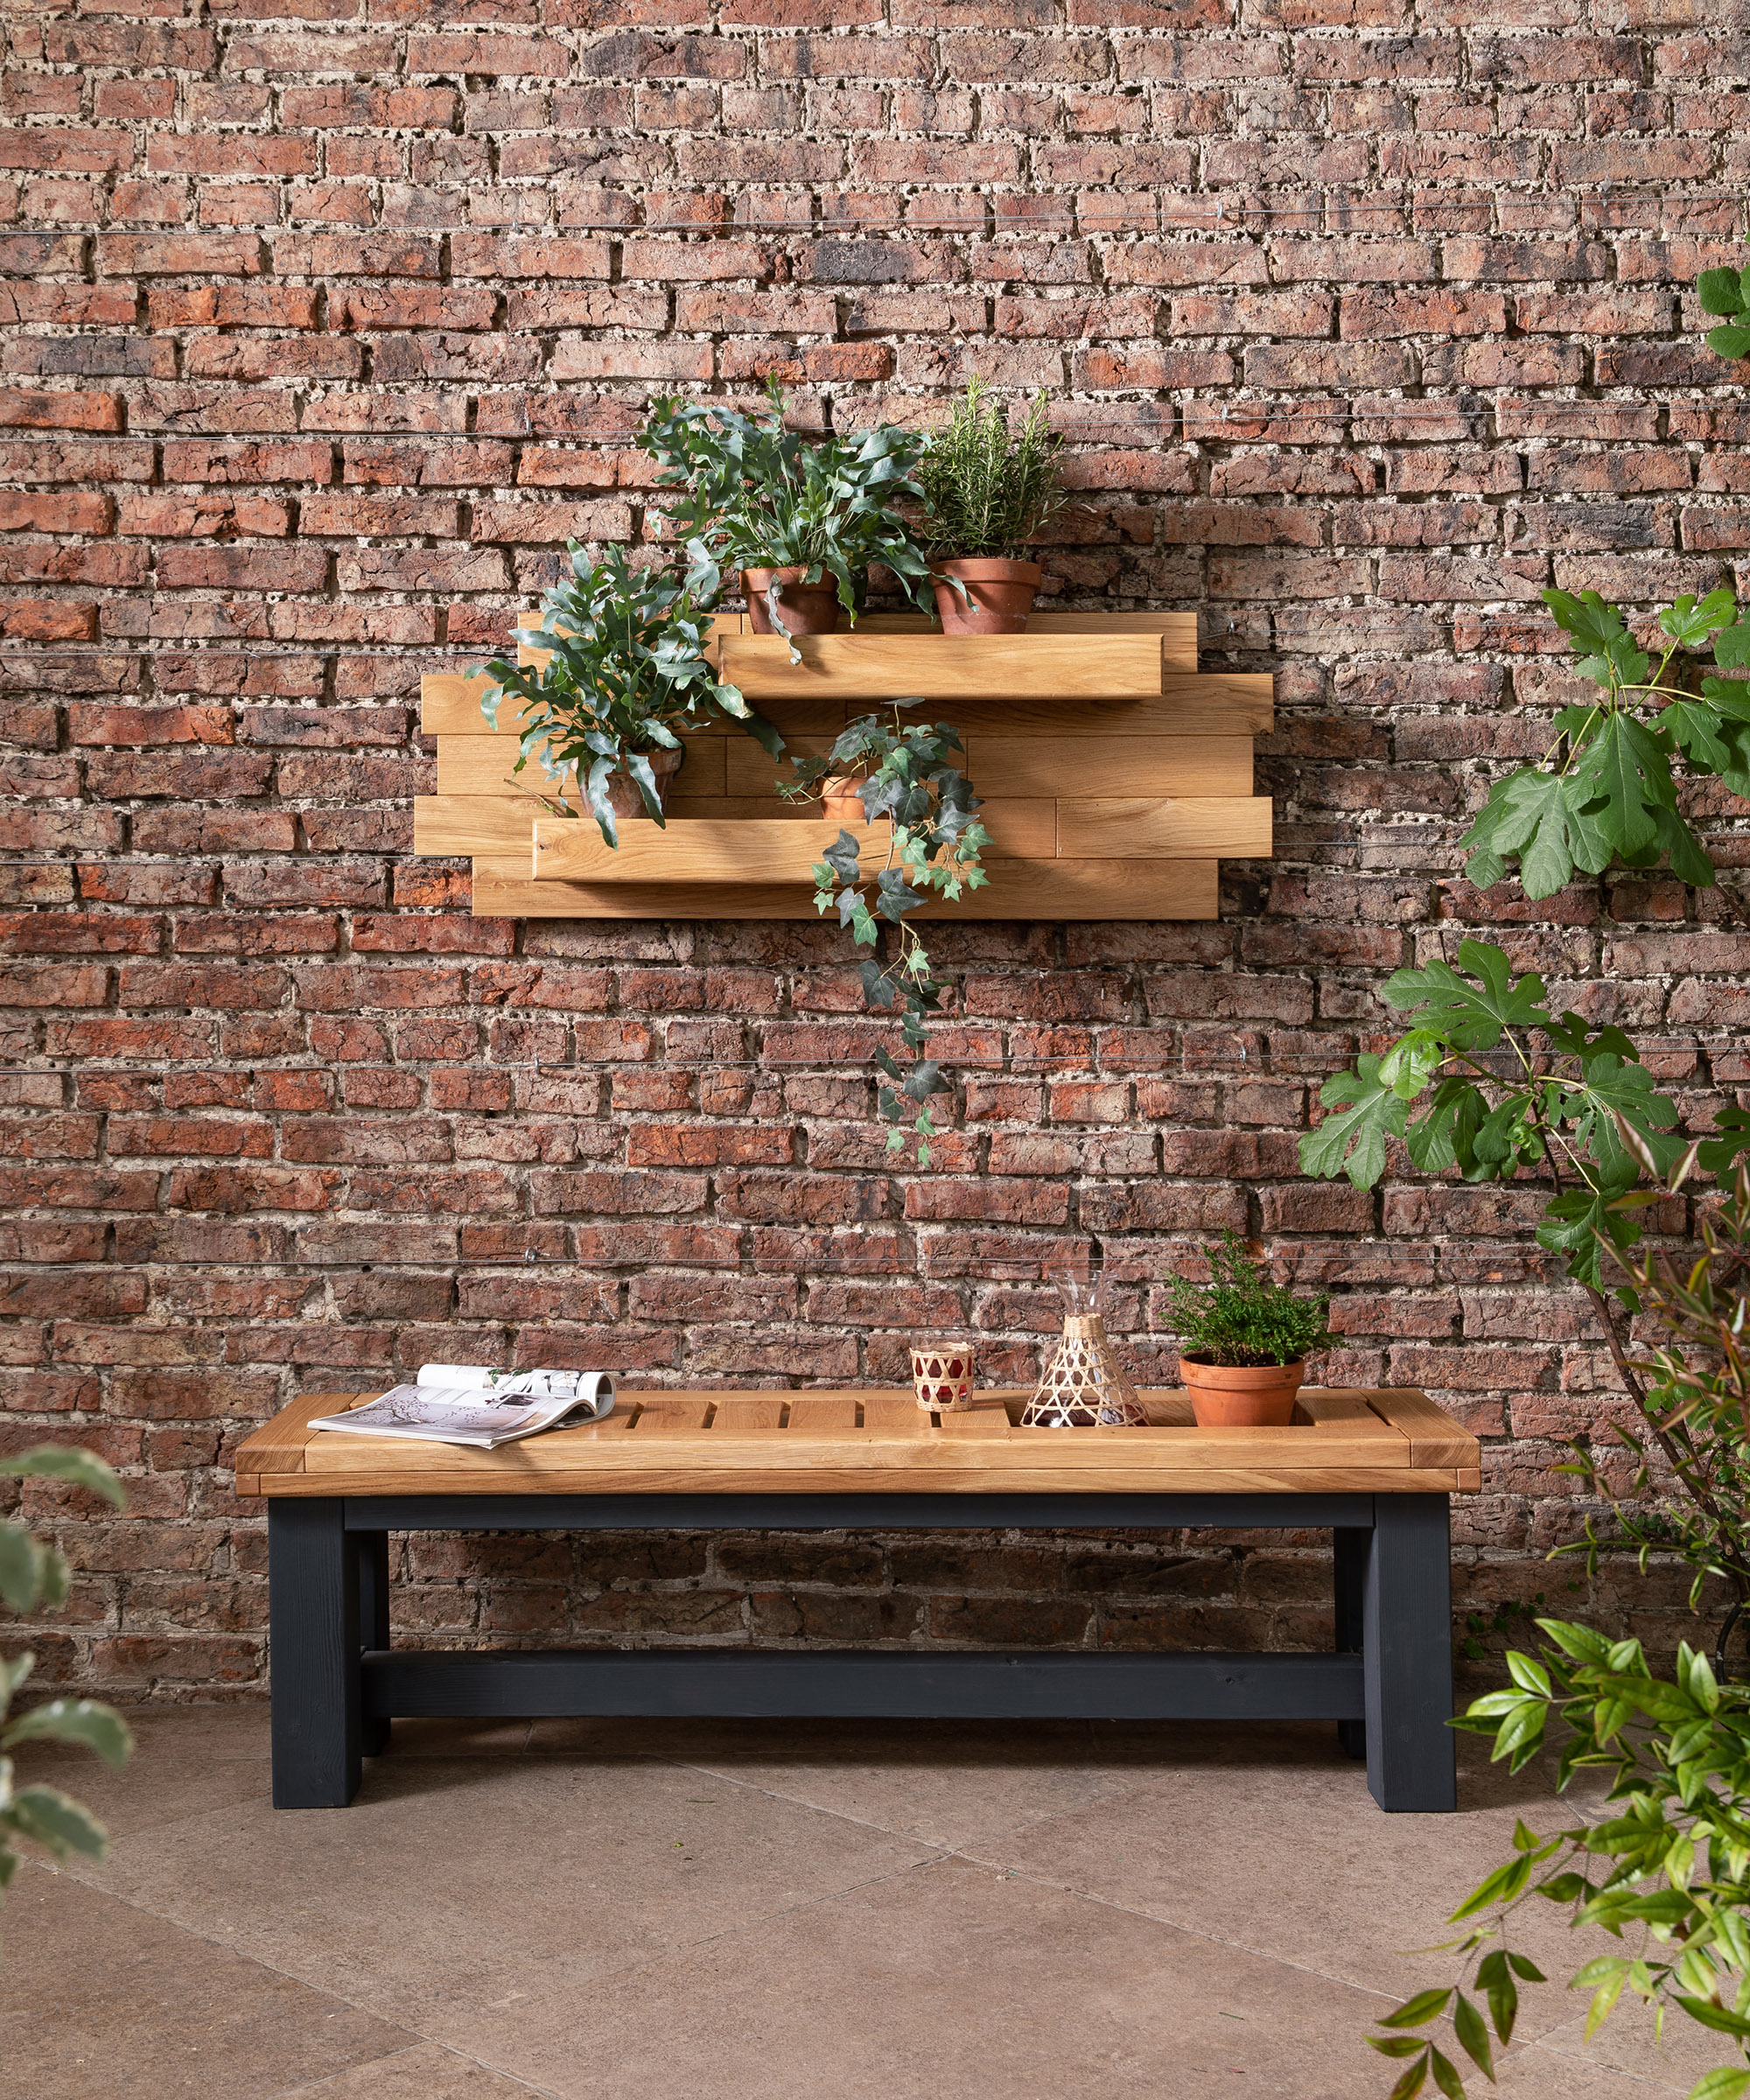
313, 1628
1351, 1556
1407, 1647
372, 1549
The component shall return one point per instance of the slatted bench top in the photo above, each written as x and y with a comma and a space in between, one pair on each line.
1342, 1441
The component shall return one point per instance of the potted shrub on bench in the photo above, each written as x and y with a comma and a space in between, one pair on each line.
1247, 1338
987, 491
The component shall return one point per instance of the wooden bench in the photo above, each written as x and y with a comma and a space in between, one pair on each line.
1375, 1468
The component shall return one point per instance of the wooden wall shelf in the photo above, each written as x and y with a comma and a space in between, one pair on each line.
1115, 777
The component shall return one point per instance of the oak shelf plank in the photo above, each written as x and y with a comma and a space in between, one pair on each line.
867, 666
1187, 828
1019, 890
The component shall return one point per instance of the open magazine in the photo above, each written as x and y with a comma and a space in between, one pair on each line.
456, 1404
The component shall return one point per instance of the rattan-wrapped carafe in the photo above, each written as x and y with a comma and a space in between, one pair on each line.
1084, 1386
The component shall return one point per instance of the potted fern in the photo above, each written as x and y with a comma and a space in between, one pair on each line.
987, 492
1247, 1338
802, 520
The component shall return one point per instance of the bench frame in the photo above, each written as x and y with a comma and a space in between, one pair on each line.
337, 1682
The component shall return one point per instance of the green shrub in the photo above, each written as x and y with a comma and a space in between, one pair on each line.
987, 490
1241, 1318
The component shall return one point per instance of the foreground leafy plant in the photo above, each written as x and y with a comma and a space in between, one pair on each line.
627, 672
1694, 1404
1604, 790
1665, 1872
934, 847
32, 1574
758, 496
1240, 1316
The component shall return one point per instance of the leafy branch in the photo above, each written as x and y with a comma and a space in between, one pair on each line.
1726, 292
1665, 1872
32, 1574
933, 846
1604, 792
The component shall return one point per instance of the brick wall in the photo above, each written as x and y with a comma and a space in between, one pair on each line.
327, 322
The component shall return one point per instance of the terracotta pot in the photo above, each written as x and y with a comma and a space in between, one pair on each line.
808, 608
1001, 595
841, 803
623, 797
1241, 1395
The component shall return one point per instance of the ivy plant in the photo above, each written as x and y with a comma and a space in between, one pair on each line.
626, 673
1604, 791
1664, 1871
933, 847
32, 1575
759, 496
1726, 292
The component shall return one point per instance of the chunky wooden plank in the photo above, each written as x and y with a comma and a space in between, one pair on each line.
1085, 891
762, 851
1435, 1438
1066, 767
1220, 702
482, 766
278, 1445
1190, 828
944, 666
1352, 1441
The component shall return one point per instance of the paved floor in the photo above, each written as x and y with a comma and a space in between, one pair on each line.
756, 1911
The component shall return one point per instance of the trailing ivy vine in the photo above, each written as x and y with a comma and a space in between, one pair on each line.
933, 847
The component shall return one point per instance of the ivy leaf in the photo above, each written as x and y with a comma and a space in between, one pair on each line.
1352, 1142
100, 1728
56, 1820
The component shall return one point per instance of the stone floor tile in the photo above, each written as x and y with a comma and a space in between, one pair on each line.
423, 2072
1292, 1860
453, 1885
101, 2002
946, 1982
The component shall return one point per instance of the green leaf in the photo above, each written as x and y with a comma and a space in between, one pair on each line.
21, 1567
1468, 2025
1526, 1969
1352, 1142
1445, 2074
1417, 2011
100, 1728
1720, 292
57, 1821
1474, 1010
1410, 2083
1729, 2081
1695, 727
1711, 2015
1624, 777
1690, 620
61, 1462
1397, 2045
1731, 339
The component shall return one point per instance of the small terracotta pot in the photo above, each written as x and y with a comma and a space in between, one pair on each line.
1000, 595
1241, 1395
808, 608
841, 803
623, 797
941, 1376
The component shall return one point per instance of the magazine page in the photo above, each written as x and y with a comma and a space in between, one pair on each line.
482, 1415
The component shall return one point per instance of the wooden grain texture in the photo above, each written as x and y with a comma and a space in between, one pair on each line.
1019, 890
850, 1441
944, 667
1217, 703
1230, 827
482, 766
762, 851
1072, 766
